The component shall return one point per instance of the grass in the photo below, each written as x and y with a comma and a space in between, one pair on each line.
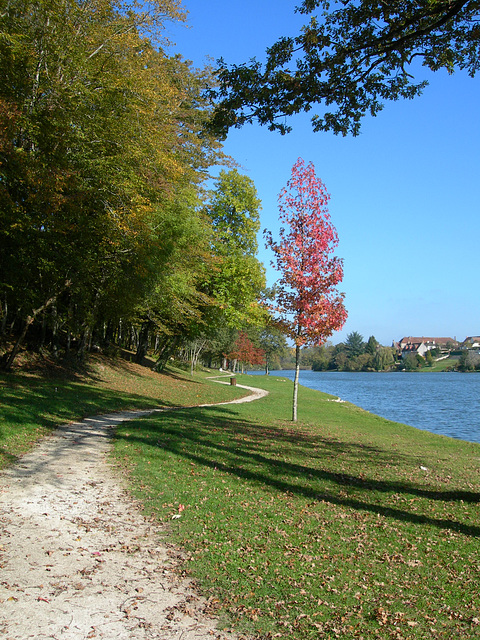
443, 365
342, 525
32, 403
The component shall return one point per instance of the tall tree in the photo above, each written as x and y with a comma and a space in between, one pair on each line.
234, 210
354, 344
174, 303
100, 132
351, 56
372, 345
273, 343
307, 299
239, 278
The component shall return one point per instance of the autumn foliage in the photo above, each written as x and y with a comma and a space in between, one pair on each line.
308, 304
307, 299
106, 235
246, 352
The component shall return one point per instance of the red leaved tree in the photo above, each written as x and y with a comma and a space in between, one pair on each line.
246, 352
308, 304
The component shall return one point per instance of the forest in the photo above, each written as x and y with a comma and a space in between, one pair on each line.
113, 233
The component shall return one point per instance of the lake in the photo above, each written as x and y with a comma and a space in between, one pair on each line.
444, 403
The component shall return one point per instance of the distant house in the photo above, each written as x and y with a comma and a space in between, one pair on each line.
421, 345
471, 342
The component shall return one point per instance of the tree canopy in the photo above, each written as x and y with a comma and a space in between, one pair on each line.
309, 305
239, 278
354, 344
103, 156
349, 58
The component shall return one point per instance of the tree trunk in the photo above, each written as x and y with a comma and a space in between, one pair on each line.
295, 383
3, 329
54, 330
195, 351
43, 333
133, 339
168, 348
120, 333
70, 314
143, 342
82, 346
108, 333
28, 322
90, 339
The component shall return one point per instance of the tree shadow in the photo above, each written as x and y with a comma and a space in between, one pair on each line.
217, 438
7, 457
50, 405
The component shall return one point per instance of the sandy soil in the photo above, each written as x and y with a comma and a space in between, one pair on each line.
77, 558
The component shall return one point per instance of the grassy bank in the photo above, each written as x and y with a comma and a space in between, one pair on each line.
448, 364
33, 402
343, 525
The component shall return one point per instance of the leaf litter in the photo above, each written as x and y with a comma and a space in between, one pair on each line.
77, 557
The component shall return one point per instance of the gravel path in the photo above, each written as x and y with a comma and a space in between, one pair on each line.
77, 558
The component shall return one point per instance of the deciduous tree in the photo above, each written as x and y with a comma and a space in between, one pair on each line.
469, 360
99, 134
348, 59
273, 343
237, 282
308, 304
245, 352
383, 358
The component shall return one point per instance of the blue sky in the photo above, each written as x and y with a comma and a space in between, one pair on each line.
404, 193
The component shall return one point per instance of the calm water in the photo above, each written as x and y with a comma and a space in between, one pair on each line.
445, 403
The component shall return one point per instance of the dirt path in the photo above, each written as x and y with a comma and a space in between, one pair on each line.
77, 558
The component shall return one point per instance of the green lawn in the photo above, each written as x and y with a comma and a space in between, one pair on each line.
443, 365
343, 525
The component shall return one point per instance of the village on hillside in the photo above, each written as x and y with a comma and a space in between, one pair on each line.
411, 353
421, 345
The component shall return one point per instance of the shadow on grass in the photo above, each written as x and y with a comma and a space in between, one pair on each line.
6, 456
147, 363
218, 439
70, 368
49, 405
